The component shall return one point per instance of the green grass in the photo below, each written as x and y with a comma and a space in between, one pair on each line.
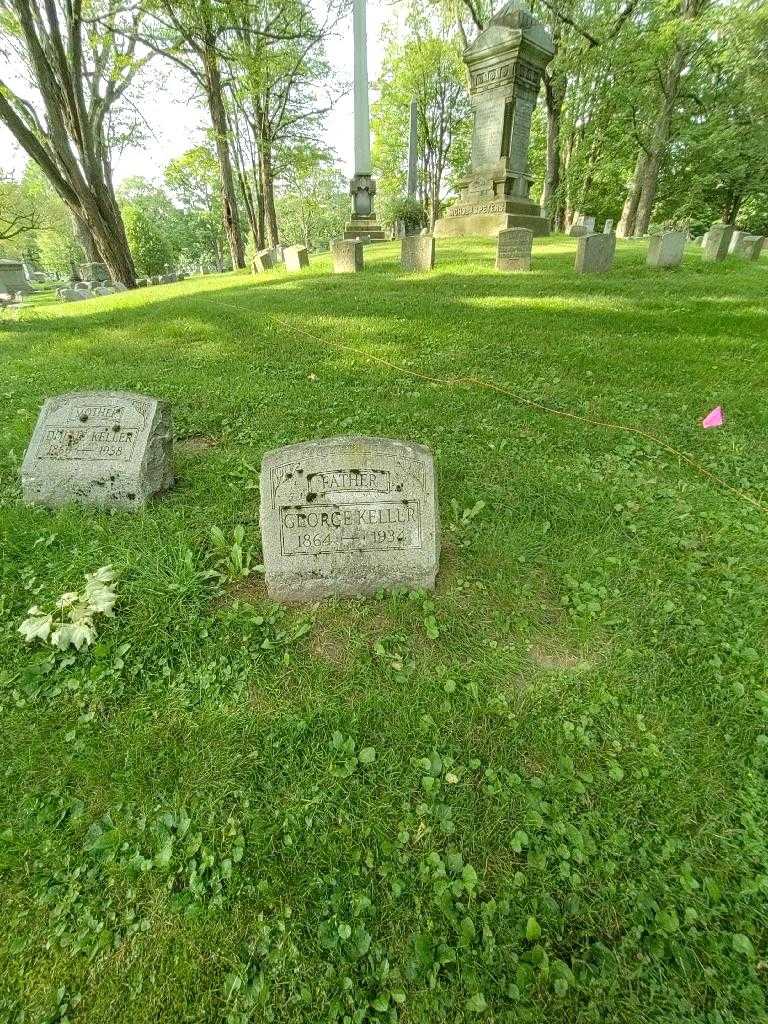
564, 817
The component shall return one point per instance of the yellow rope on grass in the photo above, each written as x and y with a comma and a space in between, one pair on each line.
478, 382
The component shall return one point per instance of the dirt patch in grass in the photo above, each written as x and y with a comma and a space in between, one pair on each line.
197, 443
251, 590
551, 656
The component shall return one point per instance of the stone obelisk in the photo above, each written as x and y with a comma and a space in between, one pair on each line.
412, 144
362, 187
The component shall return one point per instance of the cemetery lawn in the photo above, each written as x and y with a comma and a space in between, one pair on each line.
538, 794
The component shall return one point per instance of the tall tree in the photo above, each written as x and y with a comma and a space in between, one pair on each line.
79, 76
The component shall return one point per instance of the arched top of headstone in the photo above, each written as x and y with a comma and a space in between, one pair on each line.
512, 27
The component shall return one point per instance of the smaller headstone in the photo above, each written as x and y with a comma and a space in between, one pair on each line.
608, 227
514, 248
73, 294
755, 246
417, 253
168, 278
296, 257
666, 249
118, 286
142, 282
83, 286
581, 225
103, 448
718, 238
262, 261
347, 255
103, 290
594, 254
96, 273
13, 278
182, 275
348, 515
746, 246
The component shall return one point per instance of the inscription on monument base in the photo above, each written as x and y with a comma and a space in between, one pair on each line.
348, 515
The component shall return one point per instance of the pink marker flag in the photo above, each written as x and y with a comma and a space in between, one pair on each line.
716, 418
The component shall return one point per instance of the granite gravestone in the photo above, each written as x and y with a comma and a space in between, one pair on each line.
594, 254
263, 261
746, 246
13, 278
417, 253
716, 242
105, 448
505, 64
295, 257
347, 256
348, 515
608, 227
514, 249
666, 249
96, 273
755, 247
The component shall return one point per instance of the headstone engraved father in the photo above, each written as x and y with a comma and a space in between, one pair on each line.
103, 448
348, 515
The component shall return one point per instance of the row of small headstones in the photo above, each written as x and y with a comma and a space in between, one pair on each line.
595, 252
78, 290
344, 515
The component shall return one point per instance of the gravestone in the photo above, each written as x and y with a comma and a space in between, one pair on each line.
666, 249
348, 515
73, 294
716, 242
102, 448
755, 246
262, 261
417, 253
295, 257
96, 273
142, 282
13, 278
118, 286
514, 249
103, 290
608, 227
505, 64
594, 253
347, 256
746, 246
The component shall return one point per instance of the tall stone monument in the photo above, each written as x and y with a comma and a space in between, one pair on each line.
505, 64
362, 187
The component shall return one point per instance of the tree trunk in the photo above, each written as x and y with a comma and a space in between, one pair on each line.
85, 238
268, 192
213, 92
626, 226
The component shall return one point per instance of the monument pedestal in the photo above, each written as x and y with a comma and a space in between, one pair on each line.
364, 228
491, 217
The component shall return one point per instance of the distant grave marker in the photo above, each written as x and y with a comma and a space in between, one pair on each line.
263, 261
594, 253
716, 243
295, 257
347, 256
103, 448
666, 249
417, 253
514, 247
348, 515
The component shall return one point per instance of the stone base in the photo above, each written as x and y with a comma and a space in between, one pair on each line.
366, 229
491, 223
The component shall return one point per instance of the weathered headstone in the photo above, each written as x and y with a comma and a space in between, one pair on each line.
666, 249
746, 246
594, 253
73, 294
755, 246
347, 256
514, 247
505, 62
348, 515
295, 257
118, 286
608, 227
716, 242
104, 448
102, 290
262, 261
417, 253
13, 278
96, 273
142, 282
